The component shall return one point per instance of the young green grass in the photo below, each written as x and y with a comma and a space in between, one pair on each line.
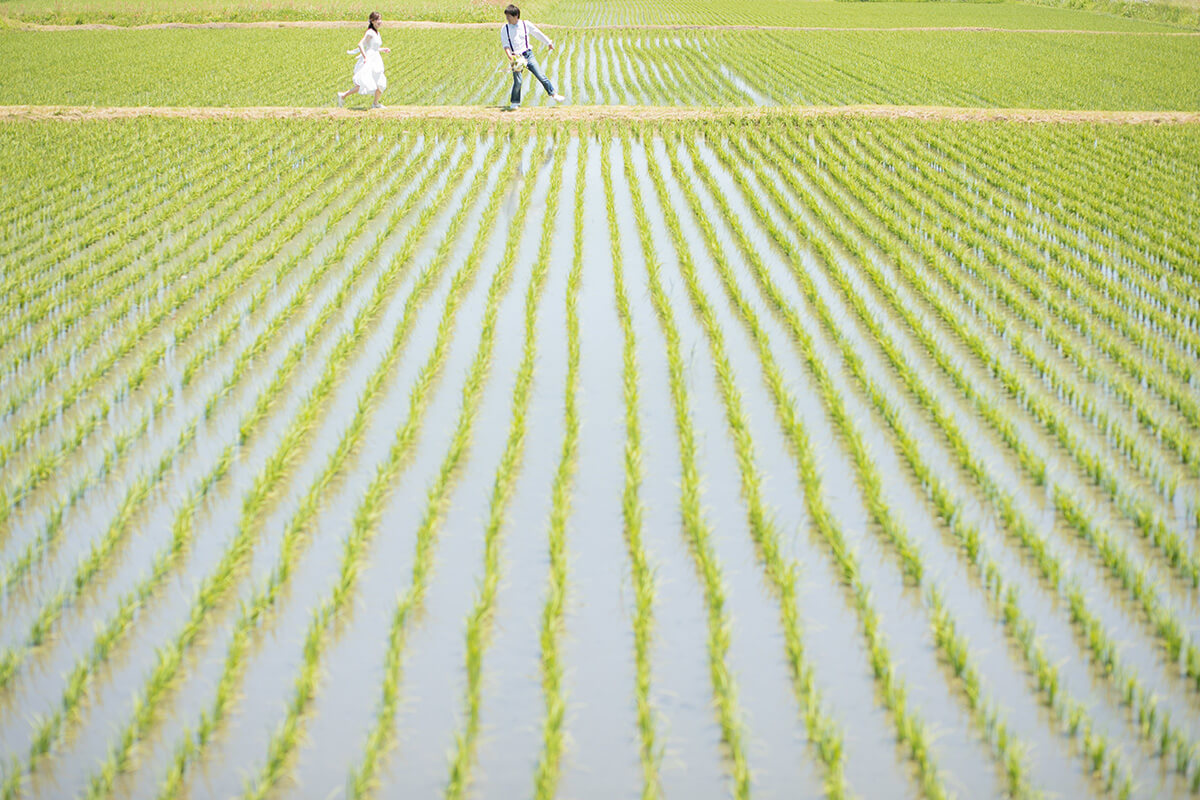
696, 528
362, 778
480, 618
822, 731
632, 507
150, 705
258, 612
1074, 716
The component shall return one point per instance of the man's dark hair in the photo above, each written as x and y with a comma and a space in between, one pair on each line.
512, 11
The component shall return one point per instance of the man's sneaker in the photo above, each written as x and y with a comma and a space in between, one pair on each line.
378, 105
510, 107
337, 98
560, 98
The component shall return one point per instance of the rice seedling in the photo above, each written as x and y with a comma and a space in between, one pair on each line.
1115, 557
479, 620
362, 779
257, 613
101, 552
79, 684
696, 528
1148, 521
223, 578
781, 574
1095, 639
1009, 310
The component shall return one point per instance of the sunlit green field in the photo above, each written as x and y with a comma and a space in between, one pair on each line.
648, 67
689, 455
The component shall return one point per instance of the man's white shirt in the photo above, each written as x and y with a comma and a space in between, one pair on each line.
516, 37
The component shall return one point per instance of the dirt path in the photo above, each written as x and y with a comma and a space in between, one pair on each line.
489, 25
594, 113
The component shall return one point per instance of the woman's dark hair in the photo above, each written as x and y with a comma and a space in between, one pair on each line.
512, 11
371, 20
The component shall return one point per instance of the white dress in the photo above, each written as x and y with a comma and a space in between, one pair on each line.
368, 72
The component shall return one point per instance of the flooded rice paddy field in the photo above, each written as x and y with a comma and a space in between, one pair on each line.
800, 457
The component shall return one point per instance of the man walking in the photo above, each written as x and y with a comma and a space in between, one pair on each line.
514, 38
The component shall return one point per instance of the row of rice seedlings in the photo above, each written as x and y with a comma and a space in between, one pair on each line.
632, 508
1178, 441
148, 707
68, 329
1168, 318
80, 283
1131, 393
1075, 208
45, 462
1168, 226
1147, 521
363, 776
1063, 294
985, 712
696, 528
51, 276
1115, 557
66, 193
101, 552
46, 270
133, 603
1152, 277
910, 729
182, 527
123, 440
1157, 727
260, 609
82, 300
254, 614
479, 620
823, 732
204, 271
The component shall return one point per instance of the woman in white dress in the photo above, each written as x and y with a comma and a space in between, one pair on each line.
368, 68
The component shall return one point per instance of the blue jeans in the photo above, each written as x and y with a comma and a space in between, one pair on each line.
536, 71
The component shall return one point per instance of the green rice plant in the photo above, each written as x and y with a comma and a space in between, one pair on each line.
258, 612
1148, 522
632, 508
97, 170
479, 620
984, 712
868, 476
1096, 640
781, 574
133, 341
51, 728
46, 260
1062, 301
362, 779
1111, 427
51, 314
1153, 292
101, 551
696, 528
254, 503
47, 461
1115, 557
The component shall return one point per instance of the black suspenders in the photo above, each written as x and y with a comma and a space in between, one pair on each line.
510, 41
